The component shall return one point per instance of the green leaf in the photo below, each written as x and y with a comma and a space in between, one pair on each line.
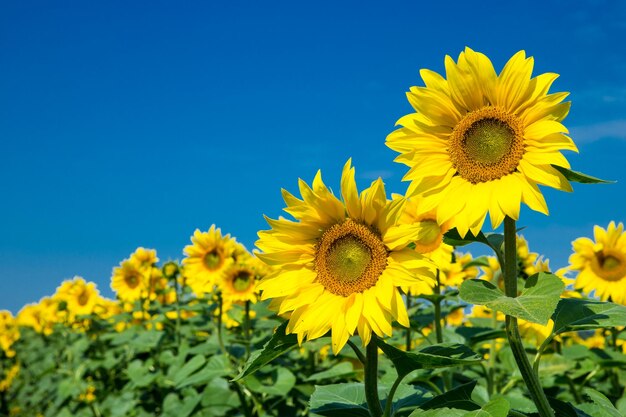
434, 356
564, 409
285, 381
536, 303
342, 369
339, 400
459, 397
189, 368
498, 407
348, 399
279, 343
216, 367
601, 407
493, 240
438, 412
579, 177
581, 314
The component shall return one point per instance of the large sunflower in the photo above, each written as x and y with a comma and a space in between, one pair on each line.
481, 143
207, 259
339, 265
602, 264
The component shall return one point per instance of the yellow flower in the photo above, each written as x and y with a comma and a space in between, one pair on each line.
238, 284
42, 316
81, 297
129, 282
455, 272
339, 265
10, 375
207, 259
602, 264
481, 143
144, 258
432, 237
9, 332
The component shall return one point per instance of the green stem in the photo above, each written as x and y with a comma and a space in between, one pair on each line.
246, 328
392, 392
513, 413
437, 305
177, 330
220, 341
512, 330
371, 378
540, 352
408, 329
357, 351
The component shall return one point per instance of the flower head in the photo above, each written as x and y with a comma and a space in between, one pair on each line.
338, 267
481, 143
601, 264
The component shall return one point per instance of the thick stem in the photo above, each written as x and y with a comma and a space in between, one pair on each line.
371, 378
220, 307
512, 330
177, 328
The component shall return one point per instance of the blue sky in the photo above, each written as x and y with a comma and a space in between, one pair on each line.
127, 124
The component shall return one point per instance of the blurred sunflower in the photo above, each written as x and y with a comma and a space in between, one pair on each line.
9, 332
238, 284
144, 258
481, 143
81, 296
339, 265
601, 265
128, 281
207, 259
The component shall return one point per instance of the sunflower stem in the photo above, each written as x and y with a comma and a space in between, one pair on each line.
246, 328
220, 341
392, 392
512, 330
371, 378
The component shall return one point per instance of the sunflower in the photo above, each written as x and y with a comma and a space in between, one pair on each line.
207, 259
238, 284
129, 282
602, 264
144, 258
81, 297
9, 332
481, 143
339, 265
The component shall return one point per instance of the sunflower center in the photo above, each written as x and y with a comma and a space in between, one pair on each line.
350, 258
132, 280
486, 144
609, 265
242, 281
83, 298
212, 259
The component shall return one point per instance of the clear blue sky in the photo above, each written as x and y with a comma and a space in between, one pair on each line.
127, 124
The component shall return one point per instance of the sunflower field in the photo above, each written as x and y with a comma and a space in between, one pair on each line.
360, 304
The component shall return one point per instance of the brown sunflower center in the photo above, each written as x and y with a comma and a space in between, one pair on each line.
83, 298
243, 281
213, 259
609, 265
350, 258
486, 144
132, 280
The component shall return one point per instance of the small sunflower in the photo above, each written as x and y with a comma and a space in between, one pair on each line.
340, 264
9, 332
81, 296
144, 258
238, 284
207, 259
129, 282
481, 143
601, 265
